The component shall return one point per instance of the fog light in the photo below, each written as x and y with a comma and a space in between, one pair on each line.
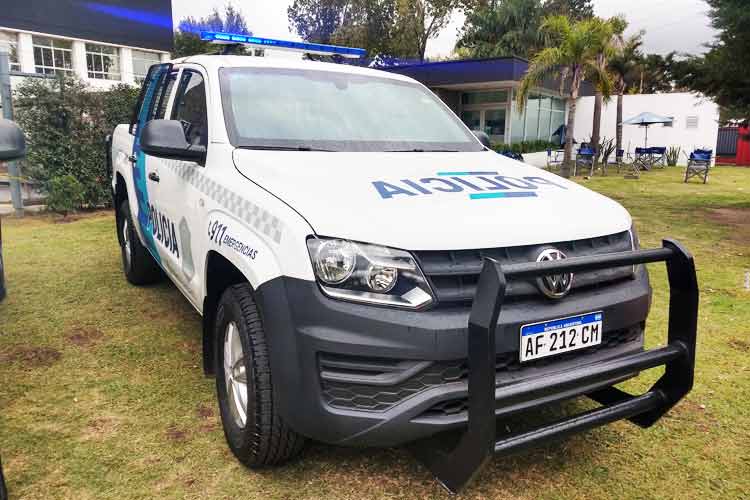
381, 279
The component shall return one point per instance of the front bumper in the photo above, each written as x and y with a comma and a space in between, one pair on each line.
359, 375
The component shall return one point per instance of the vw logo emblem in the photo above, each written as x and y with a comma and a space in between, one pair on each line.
556, 286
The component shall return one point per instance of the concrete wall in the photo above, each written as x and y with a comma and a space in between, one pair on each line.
678, 105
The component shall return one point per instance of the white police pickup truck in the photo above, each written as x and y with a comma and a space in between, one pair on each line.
370, 274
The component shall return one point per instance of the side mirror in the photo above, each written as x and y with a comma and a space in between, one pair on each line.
166, 139
483, 138
12, 142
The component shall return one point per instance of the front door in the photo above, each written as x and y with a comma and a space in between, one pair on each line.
489, 120
180, 202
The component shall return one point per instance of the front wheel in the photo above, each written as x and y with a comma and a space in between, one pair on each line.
255, 432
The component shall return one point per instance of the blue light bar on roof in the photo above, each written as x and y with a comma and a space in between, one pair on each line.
270, 43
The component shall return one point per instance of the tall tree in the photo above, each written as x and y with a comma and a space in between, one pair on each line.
574, 9
654, 74
187, 40
604, 54
572, 51
623, 68
722, 73
502, 28
418, 21
318, 20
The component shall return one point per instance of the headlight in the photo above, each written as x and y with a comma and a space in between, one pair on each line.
368, 273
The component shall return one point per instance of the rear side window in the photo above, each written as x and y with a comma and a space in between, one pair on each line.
190, 107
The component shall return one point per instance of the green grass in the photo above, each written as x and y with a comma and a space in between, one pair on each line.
102, 394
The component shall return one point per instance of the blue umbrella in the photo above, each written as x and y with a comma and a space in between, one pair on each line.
646, 119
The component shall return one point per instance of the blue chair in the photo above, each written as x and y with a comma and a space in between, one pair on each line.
699, 164
584, 158
658, 156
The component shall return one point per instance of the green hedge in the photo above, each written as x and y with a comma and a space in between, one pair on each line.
66, 124
526, 147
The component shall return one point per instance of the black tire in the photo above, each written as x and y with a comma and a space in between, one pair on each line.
265, 439
139, 266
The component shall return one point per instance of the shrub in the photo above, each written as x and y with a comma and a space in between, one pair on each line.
66, 124
525, 147
64, 194
673, 155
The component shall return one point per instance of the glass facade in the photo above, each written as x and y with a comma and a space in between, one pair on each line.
490, 111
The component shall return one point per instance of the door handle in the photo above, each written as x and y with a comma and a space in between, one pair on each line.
153, 176
132, 159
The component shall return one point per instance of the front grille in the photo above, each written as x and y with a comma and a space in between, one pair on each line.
454, 274
359, 383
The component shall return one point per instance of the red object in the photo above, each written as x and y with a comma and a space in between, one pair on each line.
743, 146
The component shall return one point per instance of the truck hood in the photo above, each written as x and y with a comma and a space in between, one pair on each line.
431, 201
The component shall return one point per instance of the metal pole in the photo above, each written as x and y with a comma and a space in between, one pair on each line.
14, 172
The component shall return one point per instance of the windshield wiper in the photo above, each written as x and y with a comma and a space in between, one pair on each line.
419, 150
302, 147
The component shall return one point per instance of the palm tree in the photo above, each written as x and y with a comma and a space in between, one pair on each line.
623, 66
605, 53
571, 52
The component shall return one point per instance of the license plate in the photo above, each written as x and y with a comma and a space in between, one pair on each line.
557, 336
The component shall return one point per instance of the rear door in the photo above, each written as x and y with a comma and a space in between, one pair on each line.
152, 104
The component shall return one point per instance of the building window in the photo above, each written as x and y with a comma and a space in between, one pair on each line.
143, 60
103, 62
52, 56
485, 97
12, 40
542, 119
691, 122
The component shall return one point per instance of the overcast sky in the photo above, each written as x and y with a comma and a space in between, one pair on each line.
680, 25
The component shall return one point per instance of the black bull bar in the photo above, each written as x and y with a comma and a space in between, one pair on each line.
454, 468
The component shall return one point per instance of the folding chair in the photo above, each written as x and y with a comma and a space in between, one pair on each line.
642, 159
699, 164
658, 157
554, 158
584, 158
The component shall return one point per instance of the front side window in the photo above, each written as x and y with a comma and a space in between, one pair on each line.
12, 40
103, 62
52, 56
190, 108
142, 61
291, 108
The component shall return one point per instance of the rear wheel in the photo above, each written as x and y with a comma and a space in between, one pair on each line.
139, 266
255, 432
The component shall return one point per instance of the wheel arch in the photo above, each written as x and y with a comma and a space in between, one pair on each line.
220, 273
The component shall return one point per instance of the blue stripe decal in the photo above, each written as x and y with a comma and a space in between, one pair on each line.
450, 174
509, 194
561, 323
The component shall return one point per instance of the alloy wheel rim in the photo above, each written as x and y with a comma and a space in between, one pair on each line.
235, 375
126, 241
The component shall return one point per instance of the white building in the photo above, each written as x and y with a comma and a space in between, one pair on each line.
695, 125
98, 63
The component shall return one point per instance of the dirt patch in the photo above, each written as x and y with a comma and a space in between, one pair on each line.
66, 220
740, 345
204, 412
84, 336
31, 357
176, 434
736, 218
100, 428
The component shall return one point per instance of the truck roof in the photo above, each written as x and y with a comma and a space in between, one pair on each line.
215, 62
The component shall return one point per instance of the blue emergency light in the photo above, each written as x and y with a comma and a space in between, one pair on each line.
270, 43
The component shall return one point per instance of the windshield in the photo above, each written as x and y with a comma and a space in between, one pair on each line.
272, 108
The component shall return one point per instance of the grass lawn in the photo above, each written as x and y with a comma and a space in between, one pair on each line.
102, 394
